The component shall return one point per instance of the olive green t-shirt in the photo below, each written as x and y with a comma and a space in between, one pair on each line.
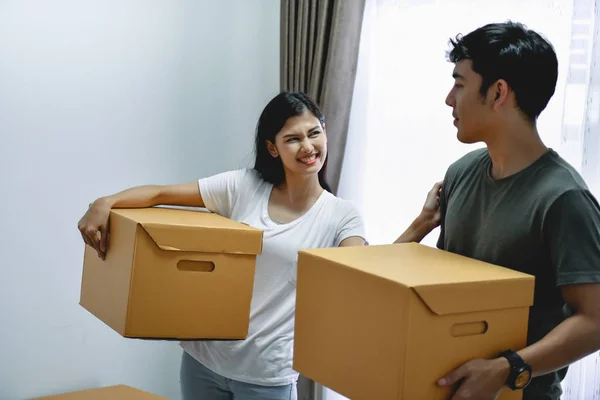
542, 221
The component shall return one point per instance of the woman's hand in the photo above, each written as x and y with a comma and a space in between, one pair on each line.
94, 226
431, 209
428, 219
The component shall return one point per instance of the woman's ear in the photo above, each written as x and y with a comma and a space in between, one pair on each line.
272, 149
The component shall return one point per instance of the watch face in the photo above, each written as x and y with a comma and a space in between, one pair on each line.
522, 379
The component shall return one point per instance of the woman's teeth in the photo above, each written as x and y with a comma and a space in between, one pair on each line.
309, 158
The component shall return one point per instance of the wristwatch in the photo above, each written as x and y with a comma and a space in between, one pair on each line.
520, 372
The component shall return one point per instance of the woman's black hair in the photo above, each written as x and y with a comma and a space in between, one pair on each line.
282, 107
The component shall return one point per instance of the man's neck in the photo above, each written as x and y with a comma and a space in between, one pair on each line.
513, 149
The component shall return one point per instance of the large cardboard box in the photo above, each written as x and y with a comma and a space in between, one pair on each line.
173, 274
118, 392
386, 322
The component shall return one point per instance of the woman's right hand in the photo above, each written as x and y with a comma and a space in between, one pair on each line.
94, 226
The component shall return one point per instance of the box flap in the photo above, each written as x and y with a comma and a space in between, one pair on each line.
197, 231
466, 297
448, 283
117, 392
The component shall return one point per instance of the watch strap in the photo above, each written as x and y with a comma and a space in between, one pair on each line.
517, 365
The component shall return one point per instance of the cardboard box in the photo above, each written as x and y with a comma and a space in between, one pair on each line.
173, 274
119, 392
386, 322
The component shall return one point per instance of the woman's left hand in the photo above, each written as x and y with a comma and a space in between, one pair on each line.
431, 209
427, 221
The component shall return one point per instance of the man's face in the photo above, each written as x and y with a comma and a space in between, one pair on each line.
471, 111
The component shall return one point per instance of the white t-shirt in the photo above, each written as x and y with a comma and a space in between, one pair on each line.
265, 356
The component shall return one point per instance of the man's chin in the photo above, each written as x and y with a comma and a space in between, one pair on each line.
465, 139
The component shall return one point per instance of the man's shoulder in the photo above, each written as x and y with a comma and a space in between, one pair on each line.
563, 173
466, 163
472, 157
555, 177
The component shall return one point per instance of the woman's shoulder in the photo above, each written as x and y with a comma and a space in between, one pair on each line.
340, 206
244, 176
344, 217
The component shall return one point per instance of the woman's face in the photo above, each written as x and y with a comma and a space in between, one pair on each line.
301, 144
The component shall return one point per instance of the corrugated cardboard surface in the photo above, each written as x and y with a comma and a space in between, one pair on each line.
173, 274
386, 322
119, 392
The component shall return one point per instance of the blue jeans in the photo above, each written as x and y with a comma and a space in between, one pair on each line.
200, 383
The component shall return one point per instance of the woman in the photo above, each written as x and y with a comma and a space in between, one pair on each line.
287, 197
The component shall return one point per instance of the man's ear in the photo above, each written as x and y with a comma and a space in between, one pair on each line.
272, 149
501, 92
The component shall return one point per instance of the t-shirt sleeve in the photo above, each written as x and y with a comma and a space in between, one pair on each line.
351, 224
220, 192
572, 233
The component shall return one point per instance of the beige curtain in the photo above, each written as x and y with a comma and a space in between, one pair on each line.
319, 53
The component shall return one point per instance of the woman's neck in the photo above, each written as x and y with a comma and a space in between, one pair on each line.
299, 190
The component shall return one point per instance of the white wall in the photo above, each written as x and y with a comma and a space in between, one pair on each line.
96, 96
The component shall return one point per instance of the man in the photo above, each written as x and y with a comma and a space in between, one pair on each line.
518, 204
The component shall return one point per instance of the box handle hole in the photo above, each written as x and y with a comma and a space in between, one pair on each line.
469, 329
195, 266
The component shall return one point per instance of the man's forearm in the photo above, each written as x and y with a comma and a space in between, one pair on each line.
575, 338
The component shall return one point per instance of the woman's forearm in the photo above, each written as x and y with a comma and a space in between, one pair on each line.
420, 227
135, 197
187, 194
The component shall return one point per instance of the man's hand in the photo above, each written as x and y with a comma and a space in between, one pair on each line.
481, 379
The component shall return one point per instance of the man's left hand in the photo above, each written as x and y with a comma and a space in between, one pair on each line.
481, 379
